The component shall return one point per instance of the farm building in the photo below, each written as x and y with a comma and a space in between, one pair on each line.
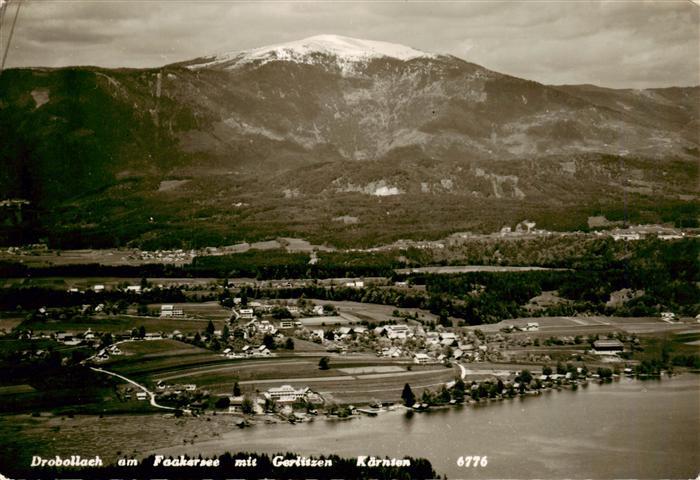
169, 311
604, 347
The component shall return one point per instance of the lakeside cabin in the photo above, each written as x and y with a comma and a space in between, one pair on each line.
608, 347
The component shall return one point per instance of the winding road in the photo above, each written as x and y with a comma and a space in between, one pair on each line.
148, 392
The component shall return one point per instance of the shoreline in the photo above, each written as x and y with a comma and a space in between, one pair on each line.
140, 435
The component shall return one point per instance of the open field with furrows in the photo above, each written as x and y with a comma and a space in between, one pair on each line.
261, 374
306, 346
553, 326
372, 312
384, 387
123, 324
203, 310
142, 358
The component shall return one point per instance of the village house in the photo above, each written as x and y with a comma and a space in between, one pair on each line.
421, 358
262, 351
397, 331
266, 327
393, 352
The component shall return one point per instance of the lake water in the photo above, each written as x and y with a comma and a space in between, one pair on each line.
625, 429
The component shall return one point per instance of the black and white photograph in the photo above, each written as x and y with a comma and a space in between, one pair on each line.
349, 240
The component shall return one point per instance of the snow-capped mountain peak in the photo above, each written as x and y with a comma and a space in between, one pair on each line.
346, 51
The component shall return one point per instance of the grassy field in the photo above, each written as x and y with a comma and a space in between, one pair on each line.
143, 358
372, 312
204, 310
84, 283
16, 389
557, 326
124, 323
682, 343
7, 323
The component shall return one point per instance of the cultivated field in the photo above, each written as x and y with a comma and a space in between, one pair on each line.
202, 311
141, 358
557, 326
469, 269
372, 312
358, 379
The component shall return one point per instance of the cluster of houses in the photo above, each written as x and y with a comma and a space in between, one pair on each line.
164, 256
162, 388
105, 353
253, 309
247, 351
638, 232
403, 341
101, 288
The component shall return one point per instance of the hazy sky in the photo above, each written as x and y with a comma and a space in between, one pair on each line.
616, 43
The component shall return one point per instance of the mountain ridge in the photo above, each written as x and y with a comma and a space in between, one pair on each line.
345, 49
284, 147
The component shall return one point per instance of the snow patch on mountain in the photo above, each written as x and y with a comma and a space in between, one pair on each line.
346, 51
